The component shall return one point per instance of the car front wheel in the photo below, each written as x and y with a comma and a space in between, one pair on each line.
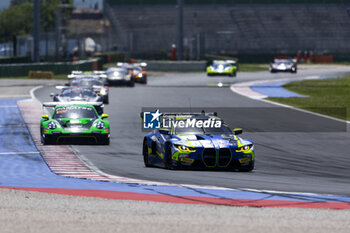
145, 154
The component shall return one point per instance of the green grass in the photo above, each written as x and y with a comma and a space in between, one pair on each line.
245, 67
329, 96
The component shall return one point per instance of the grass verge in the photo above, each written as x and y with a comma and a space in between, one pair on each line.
245, 67
328, 96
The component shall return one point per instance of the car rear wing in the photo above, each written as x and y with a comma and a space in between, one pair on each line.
140, 64
90, 75
49, 106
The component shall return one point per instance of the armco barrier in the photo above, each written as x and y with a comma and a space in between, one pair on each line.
176, 65
23, 69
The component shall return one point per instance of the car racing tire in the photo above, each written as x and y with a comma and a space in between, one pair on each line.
247, 168
106, 100
144, 80
233, 74
145, 154
167, 157
131, 83
105, 141
47, 140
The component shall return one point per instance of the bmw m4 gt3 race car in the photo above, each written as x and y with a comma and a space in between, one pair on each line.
217, 67
186, 142
283, 65
74, 122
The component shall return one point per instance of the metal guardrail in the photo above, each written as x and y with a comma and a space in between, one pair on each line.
23, 69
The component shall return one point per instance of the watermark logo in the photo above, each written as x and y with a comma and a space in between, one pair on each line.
192, 123
152, 120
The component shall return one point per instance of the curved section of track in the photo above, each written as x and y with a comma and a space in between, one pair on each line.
316, 162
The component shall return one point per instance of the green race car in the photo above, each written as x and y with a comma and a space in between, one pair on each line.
74, 122
218, 67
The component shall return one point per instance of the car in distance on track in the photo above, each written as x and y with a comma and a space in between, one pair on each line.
137, 70
98, 86
74, 122
222, 67
185, 142
139, 74
76, 94
283, 65
120, 76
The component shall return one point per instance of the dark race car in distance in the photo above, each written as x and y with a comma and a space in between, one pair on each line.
69, 94
283, 65
120, 76
98, 86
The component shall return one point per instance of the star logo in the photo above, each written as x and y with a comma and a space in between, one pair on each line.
156, 115
151, 120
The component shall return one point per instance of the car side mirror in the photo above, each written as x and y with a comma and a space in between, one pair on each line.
164, 131
52, 95
45, 117
237, 131
104, 116
67, 84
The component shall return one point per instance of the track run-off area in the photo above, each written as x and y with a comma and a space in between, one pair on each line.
294, 167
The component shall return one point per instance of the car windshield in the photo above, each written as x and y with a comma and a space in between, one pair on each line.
210, 129
74, 112
283, 62
220, 63
115, 71
86, 82
224, 129
78, 93
188, 130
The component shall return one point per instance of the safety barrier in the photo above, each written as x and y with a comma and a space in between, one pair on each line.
23, 69
176, 65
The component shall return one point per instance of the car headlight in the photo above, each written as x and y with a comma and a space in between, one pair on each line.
140, 75
185, 148
228, 68
103, 92
211, 68
100, 125
245, 148
52, 125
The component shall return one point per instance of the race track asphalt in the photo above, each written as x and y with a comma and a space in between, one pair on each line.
295, 152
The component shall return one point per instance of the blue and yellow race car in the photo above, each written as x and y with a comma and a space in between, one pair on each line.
197, 140
222, 67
